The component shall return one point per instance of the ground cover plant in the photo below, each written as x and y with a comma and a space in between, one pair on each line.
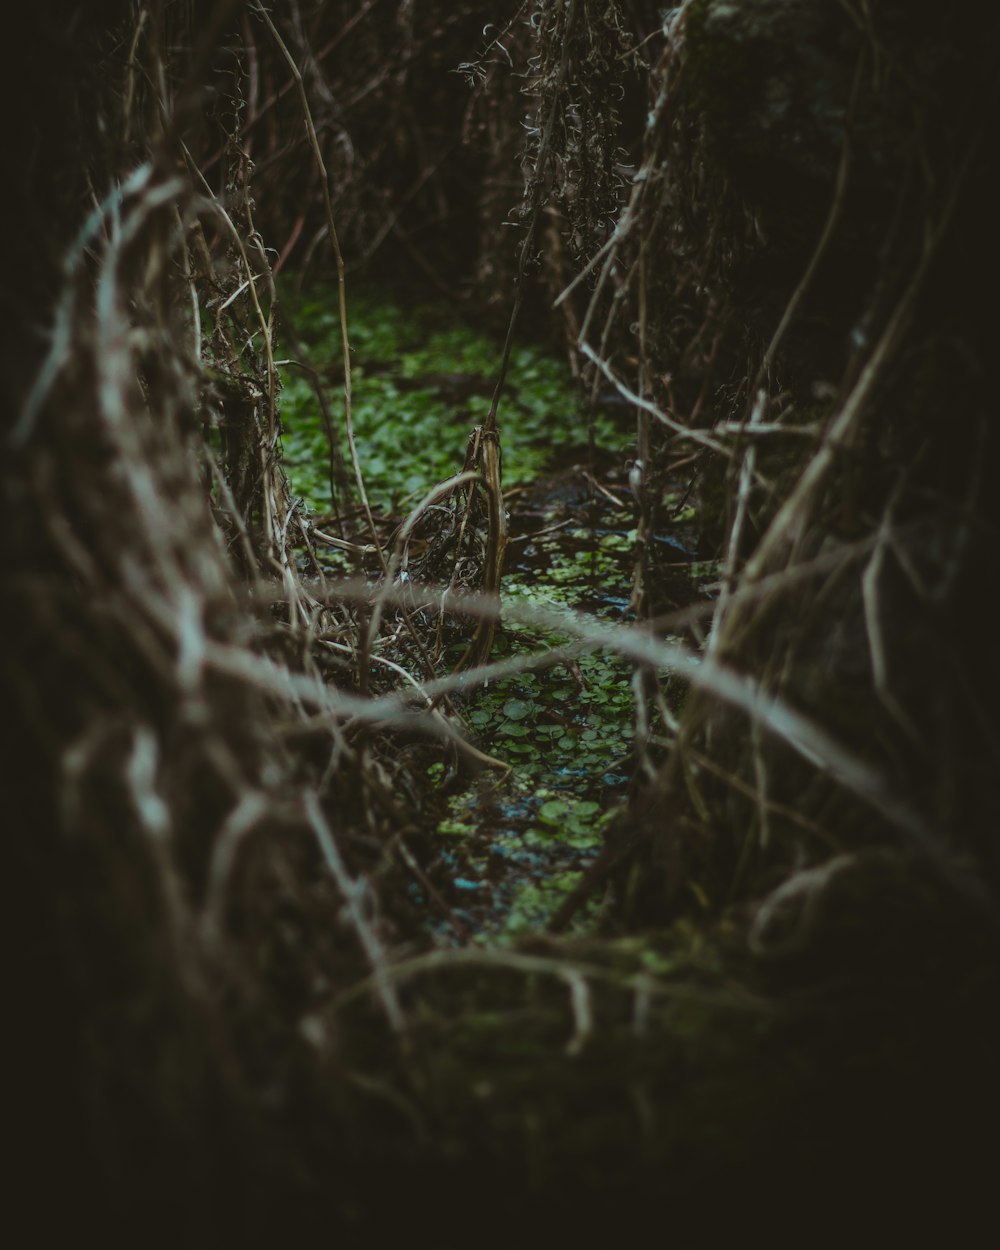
499, 531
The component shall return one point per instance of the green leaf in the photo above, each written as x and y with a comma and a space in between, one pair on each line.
586, 807
517, 709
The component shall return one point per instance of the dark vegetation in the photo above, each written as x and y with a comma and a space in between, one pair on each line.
758, 230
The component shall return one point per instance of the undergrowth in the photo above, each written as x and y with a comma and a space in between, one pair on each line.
422, 380
221, 751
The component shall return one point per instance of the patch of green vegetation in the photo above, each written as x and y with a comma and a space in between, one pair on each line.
597, 562
421, 383
566, 725
535, 903
568, 733
515, 852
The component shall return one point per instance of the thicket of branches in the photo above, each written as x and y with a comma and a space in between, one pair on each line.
763, 227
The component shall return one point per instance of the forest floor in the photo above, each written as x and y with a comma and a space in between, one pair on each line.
503, 850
